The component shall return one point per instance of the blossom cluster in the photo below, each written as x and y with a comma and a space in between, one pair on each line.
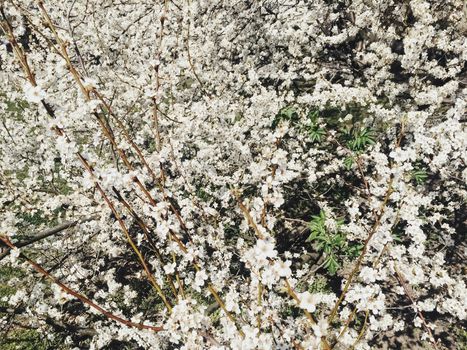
235, 174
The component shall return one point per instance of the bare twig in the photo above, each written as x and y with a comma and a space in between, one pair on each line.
409, 294
77, 295
47, 233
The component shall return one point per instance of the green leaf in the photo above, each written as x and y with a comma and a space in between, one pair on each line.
286, 113
331, 264
419, 175
348, 162
313, 115
354, 250
333, 244
316, 133
397, 238
361, 139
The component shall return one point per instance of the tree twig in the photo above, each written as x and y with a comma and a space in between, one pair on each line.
409, 294
47, 233
77, 295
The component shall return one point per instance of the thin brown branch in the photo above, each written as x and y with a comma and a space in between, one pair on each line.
47, 233
77, 295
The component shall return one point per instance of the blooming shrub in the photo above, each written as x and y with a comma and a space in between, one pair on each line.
234, 174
